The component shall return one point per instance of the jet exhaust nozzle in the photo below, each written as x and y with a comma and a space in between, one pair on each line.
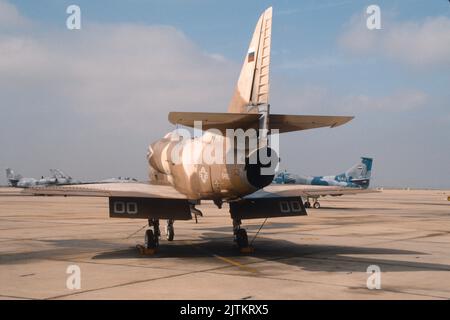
260, 166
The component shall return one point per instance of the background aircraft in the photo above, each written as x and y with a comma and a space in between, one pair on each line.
16, 180
357, 177
176, 187
58, 177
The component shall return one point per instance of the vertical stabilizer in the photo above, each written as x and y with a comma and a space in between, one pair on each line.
12, 178
360, 173
252, 88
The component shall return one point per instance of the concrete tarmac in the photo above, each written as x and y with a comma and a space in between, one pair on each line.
325, 255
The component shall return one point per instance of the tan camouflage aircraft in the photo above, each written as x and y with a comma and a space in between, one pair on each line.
240, 175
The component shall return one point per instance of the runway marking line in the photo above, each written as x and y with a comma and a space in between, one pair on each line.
235, 263
227, 260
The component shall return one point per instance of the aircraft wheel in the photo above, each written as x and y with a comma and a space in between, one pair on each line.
307, 204
170, 233
151, 241
316, 205
241, 238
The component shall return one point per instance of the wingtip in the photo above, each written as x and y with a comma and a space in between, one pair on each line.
343, 120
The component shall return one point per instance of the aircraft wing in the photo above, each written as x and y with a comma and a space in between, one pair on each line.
128, 200
139, 190
292, 190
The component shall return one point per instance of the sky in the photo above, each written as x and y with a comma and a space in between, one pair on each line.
90, 101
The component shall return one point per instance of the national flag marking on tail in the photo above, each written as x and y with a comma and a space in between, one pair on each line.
251, 55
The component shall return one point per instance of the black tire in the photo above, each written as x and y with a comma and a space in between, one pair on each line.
307, 204
150, 240
316, 205
242, 238
170, 233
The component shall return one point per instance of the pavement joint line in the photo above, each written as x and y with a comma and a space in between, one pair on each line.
16, 297
120, 285
333, 285
385, 262
119, 264
135, 282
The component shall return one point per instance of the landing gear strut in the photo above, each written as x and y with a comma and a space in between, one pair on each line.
152, 236
195, 211
315, 205
170, 232
240, 234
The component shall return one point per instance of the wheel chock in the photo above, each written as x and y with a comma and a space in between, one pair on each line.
146, 251
247, 250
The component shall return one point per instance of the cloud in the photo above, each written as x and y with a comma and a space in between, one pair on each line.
91, 100
320, 100
123, 74
10, 18
402, 100
419, 44
317, 62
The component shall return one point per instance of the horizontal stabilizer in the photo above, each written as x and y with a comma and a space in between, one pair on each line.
288, 123
282, 122
215, 120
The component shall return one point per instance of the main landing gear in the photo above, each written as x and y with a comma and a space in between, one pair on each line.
315, 205
152, 235
240, 237
170, 232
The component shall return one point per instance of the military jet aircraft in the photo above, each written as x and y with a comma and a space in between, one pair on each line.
354, 180
57, 178
181, 172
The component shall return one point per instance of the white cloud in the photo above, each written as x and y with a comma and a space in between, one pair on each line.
94, 99
125, 73
316, 62
319, 100
420, 44
10, 17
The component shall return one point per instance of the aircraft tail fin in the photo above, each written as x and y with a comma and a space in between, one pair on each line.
252, 88
12, 178
249, 106
57, 173
360, 173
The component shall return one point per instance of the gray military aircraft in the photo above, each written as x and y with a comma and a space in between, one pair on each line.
354, 180
57, 178
181, 172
